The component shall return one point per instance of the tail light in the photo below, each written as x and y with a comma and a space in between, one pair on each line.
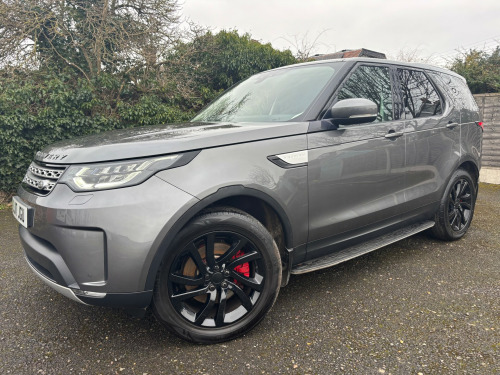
480, 124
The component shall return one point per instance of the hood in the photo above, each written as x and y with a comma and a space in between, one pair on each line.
159, 140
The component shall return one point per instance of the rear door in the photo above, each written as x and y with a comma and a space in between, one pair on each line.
356, 172
470, 134
432, 134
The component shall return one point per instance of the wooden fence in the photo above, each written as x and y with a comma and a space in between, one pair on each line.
489, 107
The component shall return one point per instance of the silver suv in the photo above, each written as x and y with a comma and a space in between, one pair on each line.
290, 171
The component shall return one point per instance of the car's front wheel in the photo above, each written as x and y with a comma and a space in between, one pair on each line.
456, 208
219, 278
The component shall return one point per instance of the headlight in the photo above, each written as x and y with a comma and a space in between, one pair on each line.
113, 175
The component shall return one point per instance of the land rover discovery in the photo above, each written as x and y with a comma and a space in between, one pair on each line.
292, 170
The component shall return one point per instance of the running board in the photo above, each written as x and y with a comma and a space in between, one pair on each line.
361, 249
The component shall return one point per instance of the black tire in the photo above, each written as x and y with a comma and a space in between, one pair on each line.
456, 208
204, 291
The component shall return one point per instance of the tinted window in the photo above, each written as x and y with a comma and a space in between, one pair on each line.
420, 99
457, 89
276, 95
373, 83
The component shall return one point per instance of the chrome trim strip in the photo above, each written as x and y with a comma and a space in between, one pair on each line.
45, 172
44, 185
84, 293
362, 115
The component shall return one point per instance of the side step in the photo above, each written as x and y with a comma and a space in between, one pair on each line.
360, 249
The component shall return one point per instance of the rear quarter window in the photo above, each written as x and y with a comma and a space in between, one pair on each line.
457, 89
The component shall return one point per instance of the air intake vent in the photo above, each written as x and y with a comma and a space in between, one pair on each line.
41, 178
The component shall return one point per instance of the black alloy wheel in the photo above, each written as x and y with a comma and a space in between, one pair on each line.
216, 279
460, 205
221, 277
456, 208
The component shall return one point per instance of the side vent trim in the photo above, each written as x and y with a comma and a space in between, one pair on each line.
291, 159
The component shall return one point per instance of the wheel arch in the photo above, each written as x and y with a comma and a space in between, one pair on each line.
468, 164
252, 201
471, 167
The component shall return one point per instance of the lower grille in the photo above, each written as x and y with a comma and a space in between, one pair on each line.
41, 178
45, 272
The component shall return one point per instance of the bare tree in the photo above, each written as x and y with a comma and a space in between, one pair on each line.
304, 44
90, 35
408, 54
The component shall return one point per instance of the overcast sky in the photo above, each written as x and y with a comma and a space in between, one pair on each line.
434, 27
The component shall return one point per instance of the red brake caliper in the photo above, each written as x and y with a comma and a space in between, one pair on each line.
244, 268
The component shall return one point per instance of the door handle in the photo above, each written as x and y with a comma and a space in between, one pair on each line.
392, 135
451, 125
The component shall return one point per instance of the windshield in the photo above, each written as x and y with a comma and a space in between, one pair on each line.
276, 95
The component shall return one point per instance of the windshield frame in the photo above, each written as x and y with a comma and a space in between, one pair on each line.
311, 111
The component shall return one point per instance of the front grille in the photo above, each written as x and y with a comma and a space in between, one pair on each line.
41, 178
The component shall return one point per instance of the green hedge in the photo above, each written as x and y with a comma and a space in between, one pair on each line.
39, 109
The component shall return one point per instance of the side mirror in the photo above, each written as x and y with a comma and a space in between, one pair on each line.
353, 111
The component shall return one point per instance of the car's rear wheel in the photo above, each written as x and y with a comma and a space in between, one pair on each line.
456, 208
219, 278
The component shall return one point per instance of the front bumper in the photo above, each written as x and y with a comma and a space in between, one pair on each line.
67, 292
97, 248
138, 300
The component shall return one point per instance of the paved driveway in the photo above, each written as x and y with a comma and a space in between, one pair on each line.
417, 306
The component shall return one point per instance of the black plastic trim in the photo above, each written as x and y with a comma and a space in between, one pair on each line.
43, 253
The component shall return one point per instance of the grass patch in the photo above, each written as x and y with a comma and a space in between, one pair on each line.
5, 201
5, 206
486, 186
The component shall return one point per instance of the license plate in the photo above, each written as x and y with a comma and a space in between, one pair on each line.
22, 212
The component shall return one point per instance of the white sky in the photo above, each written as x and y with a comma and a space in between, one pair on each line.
433, 27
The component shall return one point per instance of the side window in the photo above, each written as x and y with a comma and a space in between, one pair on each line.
370, 82
420, 99
465, 94
446, 84
457, 89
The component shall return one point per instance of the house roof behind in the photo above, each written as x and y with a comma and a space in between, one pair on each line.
347, 53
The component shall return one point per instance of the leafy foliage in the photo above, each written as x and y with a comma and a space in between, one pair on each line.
210, 63
41, 105
237, 57
480, 69
39, 109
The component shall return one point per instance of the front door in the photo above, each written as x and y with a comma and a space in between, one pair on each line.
356, 173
